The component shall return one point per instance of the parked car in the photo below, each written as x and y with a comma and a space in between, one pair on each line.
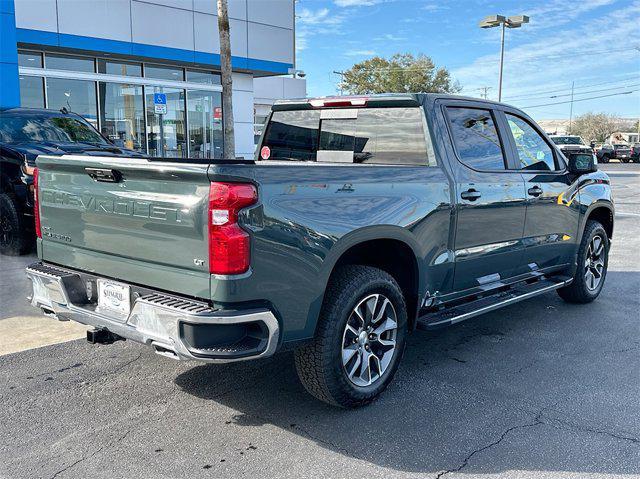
569, 144
610, 152
361, 219
26, 133
635, 153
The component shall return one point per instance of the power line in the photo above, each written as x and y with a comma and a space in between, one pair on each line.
581, 99
535, 93
596, 91
630, 85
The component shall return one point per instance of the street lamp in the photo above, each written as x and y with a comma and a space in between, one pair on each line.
491, 21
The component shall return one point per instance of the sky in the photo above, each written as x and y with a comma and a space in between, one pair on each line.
593, 43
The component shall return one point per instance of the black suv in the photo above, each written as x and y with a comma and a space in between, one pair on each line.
26, 133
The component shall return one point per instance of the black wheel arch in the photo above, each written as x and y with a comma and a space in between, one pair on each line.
391, 249
603, 212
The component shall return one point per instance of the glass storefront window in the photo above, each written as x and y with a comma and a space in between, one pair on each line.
122, 115
120, 68
68, 62
125, 112
30, 59
199, 76
78, 96
163, 73
31, 92
204, 109
166, 132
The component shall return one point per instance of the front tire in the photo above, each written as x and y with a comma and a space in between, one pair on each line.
13, 237
593, 260
359, 340
605, 159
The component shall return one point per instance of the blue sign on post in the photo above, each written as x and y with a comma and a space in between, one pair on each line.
160, 103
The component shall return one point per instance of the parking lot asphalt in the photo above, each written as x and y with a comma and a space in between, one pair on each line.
541, 389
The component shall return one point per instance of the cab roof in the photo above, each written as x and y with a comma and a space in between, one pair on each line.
373, 100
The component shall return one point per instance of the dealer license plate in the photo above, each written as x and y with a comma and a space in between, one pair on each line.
114, 297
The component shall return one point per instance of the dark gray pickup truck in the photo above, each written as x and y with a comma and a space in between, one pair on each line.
360, 220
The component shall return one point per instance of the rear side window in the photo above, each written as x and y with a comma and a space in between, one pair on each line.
368, 135
533, 151
476, 138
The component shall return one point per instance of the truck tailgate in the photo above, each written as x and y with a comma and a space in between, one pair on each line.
148, 227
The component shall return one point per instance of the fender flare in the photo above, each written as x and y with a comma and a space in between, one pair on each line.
371, 233
593, 206
351, 239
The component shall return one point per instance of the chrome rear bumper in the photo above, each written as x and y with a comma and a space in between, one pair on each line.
156, 319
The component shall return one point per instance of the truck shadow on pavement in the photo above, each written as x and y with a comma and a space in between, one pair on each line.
539, 386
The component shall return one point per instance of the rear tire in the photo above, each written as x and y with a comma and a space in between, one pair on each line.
13, 237
363, 322
625, 160
605, 159
593, 260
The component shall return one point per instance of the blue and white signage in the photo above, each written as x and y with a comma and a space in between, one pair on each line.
160, 103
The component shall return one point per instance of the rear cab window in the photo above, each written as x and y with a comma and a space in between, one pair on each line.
377, 135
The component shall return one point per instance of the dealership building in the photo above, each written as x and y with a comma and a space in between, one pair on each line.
144, 72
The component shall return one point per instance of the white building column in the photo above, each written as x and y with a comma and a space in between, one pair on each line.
243, 114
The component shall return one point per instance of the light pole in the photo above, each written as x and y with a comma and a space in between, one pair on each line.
491, 21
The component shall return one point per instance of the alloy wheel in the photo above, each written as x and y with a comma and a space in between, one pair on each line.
594, 263
369, 340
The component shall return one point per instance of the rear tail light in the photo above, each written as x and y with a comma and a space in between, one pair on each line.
229, 244
36, 203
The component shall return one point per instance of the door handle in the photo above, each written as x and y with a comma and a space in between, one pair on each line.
470, 195
535, 191
104, 174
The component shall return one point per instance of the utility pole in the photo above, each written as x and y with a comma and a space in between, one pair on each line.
341, 79
571, 108
229, 147
485, 92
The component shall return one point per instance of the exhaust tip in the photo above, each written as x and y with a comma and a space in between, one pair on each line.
166, 352
50, 313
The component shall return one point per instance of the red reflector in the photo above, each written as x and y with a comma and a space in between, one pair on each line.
36, 203
229, 244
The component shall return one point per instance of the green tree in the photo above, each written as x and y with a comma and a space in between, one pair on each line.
402, 73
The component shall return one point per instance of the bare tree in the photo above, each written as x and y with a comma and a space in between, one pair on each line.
229, 150
596, 126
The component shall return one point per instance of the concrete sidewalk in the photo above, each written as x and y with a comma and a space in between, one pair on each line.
22, 326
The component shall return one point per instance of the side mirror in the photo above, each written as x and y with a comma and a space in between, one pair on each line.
582, 163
